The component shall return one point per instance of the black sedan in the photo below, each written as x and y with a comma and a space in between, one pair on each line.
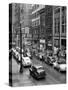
37, 71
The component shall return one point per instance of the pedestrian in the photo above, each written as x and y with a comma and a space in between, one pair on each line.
58, 53
42, 58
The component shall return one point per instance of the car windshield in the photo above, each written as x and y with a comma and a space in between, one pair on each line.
40, 68
27, 60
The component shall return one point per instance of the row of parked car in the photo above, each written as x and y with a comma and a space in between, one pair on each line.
36, 71
57, 63
17, 54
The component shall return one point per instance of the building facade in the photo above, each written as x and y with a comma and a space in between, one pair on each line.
46, 27
42, 31
21, 16
59, 26
36, 22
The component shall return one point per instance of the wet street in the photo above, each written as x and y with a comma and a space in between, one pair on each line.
24, 79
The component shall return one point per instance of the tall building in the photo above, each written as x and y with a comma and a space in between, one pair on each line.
52, 31
21, 14
26, 23
59, 26
36, 22
46, 27
42, 31
49, 26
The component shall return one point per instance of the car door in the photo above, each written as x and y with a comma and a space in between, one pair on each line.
31, 70
35, 72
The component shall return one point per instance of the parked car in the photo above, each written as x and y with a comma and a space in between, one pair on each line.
62, 65
26, 61
37, 71
29, 55
18, 50
50, 60
41, 56
56, 65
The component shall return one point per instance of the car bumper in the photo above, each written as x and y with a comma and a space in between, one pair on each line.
26, 65
40, 76
62, 70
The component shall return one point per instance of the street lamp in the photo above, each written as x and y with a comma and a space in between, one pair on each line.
21, 66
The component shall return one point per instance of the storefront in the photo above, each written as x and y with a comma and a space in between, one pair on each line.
42, 45
63, 43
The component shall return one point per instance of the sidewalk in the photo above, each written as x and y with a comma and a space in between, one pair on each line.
15, 66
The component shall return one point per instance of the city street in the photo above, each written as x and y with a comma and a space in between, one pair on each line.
37, 30
24, 79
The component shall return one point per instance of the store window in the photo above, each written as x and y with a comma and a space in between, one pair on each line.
63, 42
56, 42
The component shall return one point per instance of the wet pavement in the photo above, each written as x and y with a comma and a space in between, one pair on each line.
24, 79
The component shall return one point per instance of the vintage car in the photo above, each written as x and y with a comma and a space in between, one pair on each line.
29, 55
50, 60
26, 61
37, 71
60, 65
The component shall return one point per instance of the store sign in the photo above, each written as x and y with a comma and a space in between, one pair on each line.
26, 29
49, 44
42, 41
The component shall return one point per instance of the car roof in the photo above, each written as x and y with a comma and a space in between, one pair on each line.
25, 57
37, 66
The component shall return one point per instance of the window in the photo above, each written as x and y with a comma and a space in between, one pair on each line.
63, 19
37, 22
57, 25
34, 23
63, 28
63, 42
57, 10
37, 6
56, 42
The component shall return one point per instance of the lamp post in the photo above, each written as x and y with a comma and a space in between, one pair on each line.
21, 65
